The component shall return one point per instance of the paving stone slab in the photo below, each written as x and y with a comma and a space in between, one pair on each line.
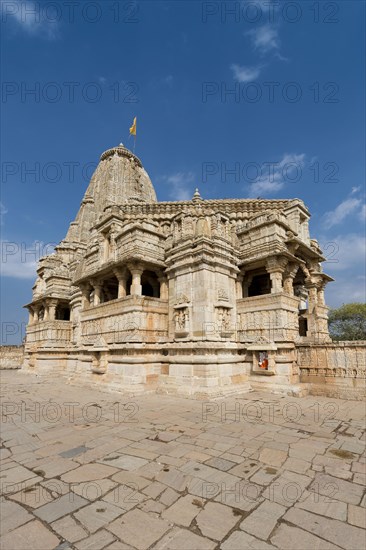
32, 536
239, 540
97, 515
89, 472
68, 529
337, 489
357, 516
12, 515
216, 520
181, 539
337, 532
128, 462
60, 507
98, 541
294, 538
183, 511
323, 505
261, 522
125, 496
139, 529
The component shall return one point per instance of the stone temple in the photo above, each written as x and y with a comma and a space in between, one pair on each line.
196, 297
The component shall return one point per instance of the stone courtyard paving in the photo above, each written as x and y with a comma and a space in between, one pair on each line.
83, 469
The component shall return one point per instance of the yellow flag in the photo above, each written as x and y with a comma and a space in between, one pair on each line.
133, 128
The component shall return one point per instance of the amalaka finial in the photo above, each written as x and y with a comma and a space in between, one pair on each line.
196, 196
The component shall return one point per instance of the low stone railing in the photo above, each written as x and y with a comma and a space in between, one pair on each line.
270, 317
334, 368
130, 319
49, 331
11, 357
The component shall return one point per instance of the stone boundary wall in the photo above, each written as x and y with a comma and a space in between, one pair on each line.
11, 357
334, 369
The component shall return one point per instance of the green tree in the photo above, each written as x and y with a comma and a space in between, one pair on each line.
348, 322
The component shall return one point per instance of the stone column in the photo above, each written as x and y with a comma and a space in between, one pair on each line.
45, 316
288, 281
164, 293
122, 282
276, 280
52, 304
97, 292
275, 268
136, 272
239, 286
31, 315
312, 299
85, 292
246, 284
35, 314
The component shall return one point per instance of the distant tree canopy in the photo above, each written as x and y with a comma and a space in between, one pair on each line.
348, 322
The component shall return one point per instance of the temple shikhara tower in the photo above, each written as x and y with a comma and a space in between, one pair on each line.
197, 297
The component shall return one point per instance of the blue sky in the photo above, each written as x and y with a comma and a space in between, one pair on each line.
240, 99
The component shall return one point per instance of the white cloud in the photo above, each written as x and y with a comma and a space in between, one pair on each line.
344, 252
362, 213
265, 38
346, 263
274, 177
355, 190
33, 19
19, 259
336, 216
245, 74
179, 184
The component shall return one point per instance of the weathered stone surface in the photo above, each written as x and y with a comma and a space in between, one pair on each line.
182, 539
239, 539
68, 529
208, 499
336, 532
216, 520
357, 516
99, 540
139, 529
323, 505
183, 511
12, 515
97, 515
263, 520
273, 457
89, 472
32, 536
60, 507
293, 538
336, 488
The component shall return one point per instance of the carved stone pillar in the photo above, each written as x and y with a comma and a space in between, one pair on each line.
52, 304
275, 268
85, 292
31, 315
320, 295
97, 292
239, 286
246, 284
35, 313
313, 295
164, 293
276, 281
288, 279
136, 272
122, 282
45, 314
